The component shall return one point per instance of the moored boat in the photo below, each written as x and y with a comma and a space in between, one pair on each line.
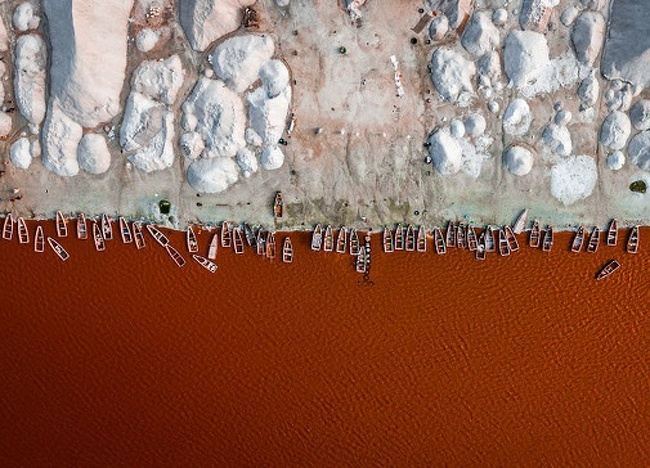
450, 238
410, 238
58, 249
237, 241
138, 238
490, 239
249, 234
633, 240
361, 265
278, 206
8, 227
226, 234
612, 233
512, 239
287, 250
504, 245
61, 225
328, 239
270, 245
205, 263
82, 227
594, 240
98, 238
547, 242
534, 236
354, 242
578, 240
212, 249
342, 240
609, 268
125, 231
260, 244
23, 233
317, 238
107, 227
421, 241
175, 255
39, 240
399, 237
190, 240
520, 223
472, 243
157, 235
439, 241
388, 241
480, 247
460, 236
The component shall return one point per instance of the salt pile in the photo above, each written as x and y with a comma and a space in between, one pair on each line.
237, 61
640, 115
615, 130
518, 160
517, 118
451, 73
20, 154
587, 36
205, 21
445, 152
573, 179
93, 154
639, 150
29, 79
480, 35
525, 55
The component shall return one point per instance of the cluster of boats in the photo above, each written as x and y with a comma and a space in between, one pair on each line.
345, 240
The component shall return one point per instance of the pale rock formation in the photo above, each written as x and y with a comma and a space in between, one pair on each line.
616, 161
557, 139
89, 42
640, 115
6, 123
438, 27
20, 153
451, 73
247, 162
192, 145
518, 160
159, 79
573, 179
24, 18
212, 175
205, 21
147, 39
587, 36
500, 16
446, 154
29, 79
526, 53
267, 117
93, 154
271, 158
615, 130
275, 77
639, 150
60, 138
238, 60
480, 35
517, 118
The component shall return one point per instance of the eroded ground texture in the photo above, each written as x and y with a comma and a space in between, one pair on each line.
362, 113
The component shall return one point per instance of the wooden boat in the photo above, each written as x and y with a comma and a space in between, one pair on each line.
328, 239
125, 231
249, 234
61, 225
504, 245
39, 240
205, 263
354, 242
137, 236
594, 240
609, 268
212, 249
450, 240
237, 241
175, 255
399, 237
157, 235
82, 227
547, 242
578, 240
520, 222
342, 240
270, 246
98, 238
460, 236
472, 243
490, 239
190, 240
512, 239
421, 241
23, 233
8, 227
410, 238
535, 235
388, 241
58, 249
633, 240
287, 250
226, 234
361, 265
612, 233
317, 238
107, 227
278, 209
260, 245
439, 241
480, 247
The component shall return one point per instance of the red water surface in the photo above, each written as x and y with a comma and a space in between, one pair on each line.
121, 358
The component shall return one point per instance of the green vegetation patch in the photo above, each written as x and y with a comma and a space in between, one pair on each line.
165, 206
638, 186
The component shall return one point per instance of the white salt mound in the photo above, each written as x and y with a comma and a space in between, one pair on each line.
438, 27
445, 152
640, 115
588, 91
525, 54
616, 160
29, 78
60, 139
569, 15
93, 154
475, 125
563, 117
480, 35
6, 122
147, 39
282, 3
489, 66
159, 79
500, 16
268, 116
247, 162
639, 150
157, 153
20, 155
558, 139
451, 73
573, 179
24, 18
587, 36
238, 60
275, 77
143, 118
615, 130
271, 158
212, 175
192, 145
457, 128
518, 160
517, 118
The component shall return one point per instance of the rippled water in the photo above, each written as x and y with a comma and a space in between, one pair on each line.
121, 358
